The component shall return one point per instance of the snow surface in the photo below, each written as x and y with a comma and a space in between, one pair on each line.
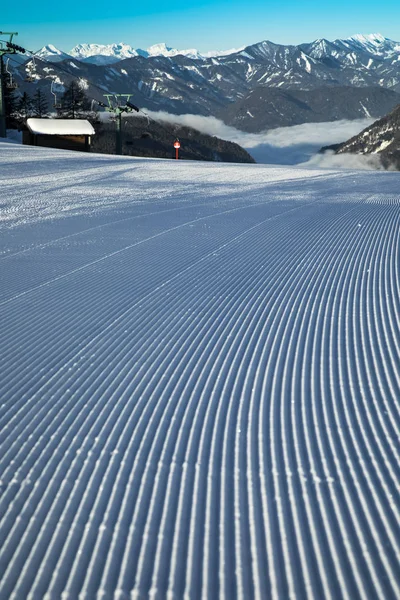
200, 379
60, 126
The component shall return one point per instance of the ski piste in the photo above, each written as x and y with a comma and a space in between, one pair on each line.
199, 379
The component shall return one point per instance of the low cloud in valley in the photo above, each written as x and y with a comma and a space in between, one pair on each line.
286, 145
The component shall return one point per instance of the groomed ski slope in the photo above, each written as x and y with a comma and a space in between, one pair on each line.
200, 380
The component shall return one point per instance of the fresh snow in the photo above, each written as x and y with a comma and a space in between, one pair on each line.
200, 379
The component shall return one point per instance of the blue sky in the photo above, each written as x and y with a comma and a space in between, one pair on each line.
201, 24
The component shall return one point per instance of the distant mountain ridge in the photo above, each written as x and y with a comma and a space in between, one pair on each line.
364, 67
375, 44
110, 53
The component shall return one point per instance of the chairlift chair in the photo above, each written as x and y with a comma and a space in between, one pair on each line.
56, 103
95, 121
11, 85
147, 117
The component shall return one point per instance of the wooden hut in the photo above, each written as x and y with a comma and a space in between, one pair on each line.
65, 134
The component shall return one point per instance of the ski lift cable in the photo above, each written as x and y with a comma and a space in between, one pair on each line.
101, 89
99, 102
10, 45
55, 66
75, 77
59, 68
31, 80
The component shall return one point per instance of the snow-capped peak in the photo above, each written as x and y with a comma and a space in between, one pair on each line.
372, 38
159, 49
117, 51
52, 53
51, 48
374, 43
163, 50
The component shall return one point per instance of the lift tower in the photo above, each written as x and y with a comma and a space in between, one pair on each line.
6, 47
116, 106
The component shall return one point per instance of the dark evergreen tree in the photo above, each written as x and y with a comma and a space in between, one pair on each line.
24, 107
40, 105
74, 102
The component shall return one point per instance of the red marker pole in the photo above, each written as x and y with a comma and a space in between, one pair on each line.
177, 145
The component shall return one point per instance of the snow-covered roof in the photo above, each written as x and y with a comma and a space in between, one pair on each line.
60, 126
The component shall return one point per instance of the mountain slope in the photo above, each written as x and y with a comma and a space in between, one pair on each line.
265, 108
382, 138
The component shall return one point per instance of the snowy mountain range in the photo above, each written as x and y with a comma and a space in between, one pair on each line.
374, 44
237, 85
111, 53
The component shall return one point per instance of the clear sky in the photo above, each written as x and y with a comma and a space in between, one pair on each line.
202, 24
